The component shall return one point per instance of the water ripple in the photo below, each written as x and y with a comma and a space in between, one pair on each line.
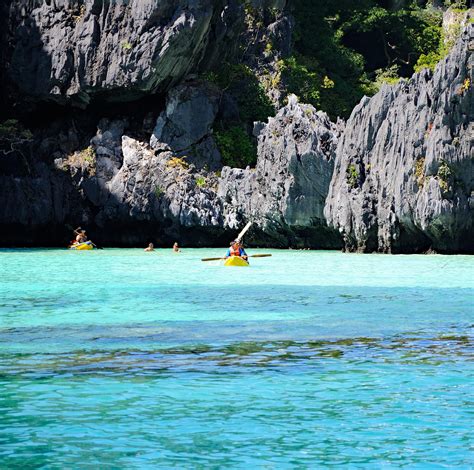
243, 355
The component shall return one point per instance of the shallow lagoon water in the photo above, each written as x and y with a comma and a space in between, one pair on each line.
305, 358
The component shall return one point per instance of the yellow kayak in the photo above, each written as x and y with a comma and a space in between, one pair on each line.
82, 246
235, 261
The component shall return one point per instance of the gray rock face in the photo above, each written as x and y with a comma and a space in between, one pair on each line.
36, 199
160, 191
284, 195
37, 208
73, 50
403, 176
397, 177
108, 147
154, 186
266, 28
185, 126
287, 190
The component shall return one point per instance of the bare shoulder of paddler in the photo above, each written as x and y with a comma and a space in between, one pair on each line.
81, 236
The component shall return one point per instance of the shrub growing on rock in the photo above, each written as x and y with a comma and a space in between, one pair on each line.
444, 176
352, 176
420, 171
11, 129
82, 160
236, 147
200, 181
177, 162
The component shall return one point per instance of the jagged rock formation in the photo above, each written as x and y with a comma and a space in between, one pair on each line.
397, 177
286, 192
159, 189
403, 176
69, 50
108, 147
185, 126
284, 195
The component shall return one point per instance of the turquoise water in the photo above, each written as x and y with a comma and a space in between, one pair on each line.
125, 359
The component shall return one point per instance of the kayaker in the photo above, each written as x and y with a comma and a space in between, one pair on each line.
236, 249
150, 247
176, 247
81, 236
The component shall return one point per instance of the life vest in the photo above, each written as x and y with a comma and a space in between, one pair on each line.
234, 252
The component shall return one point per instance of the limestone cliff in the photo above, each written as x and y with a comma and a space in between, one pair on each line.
148, 189
73, 51
286, 192
126, 119
403, 176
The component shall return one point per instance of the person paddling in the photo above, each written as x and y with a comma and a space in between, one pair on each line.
81, 236
150, 247
236, 249
176, 247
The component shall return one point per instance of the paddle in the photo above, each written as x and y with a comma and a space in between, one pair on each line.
242, 233
239, 237
251, 256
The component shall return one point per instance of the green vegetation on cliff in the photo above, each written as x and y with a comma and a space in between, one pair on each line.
341, 50
234, 134
237, 148
12, 130
360, 45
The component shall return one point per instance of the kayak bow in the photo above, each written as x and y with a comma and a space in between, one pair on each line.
82, 246
235, 261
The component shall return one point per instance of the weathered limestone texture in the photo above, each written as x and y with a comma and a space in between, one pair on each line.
403, 176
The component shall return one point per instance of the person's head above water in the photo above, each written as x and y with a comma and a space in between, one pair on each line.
150, 245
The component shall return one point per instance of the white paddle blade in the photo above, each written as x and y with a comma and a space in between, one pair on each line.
242, 233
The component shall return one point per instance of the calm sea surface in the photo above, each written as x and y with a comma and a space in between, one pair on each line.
118, 358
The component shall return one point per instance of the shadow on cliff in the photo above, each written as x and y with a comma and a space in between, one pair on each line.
35, 200
4, 59
41, 204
